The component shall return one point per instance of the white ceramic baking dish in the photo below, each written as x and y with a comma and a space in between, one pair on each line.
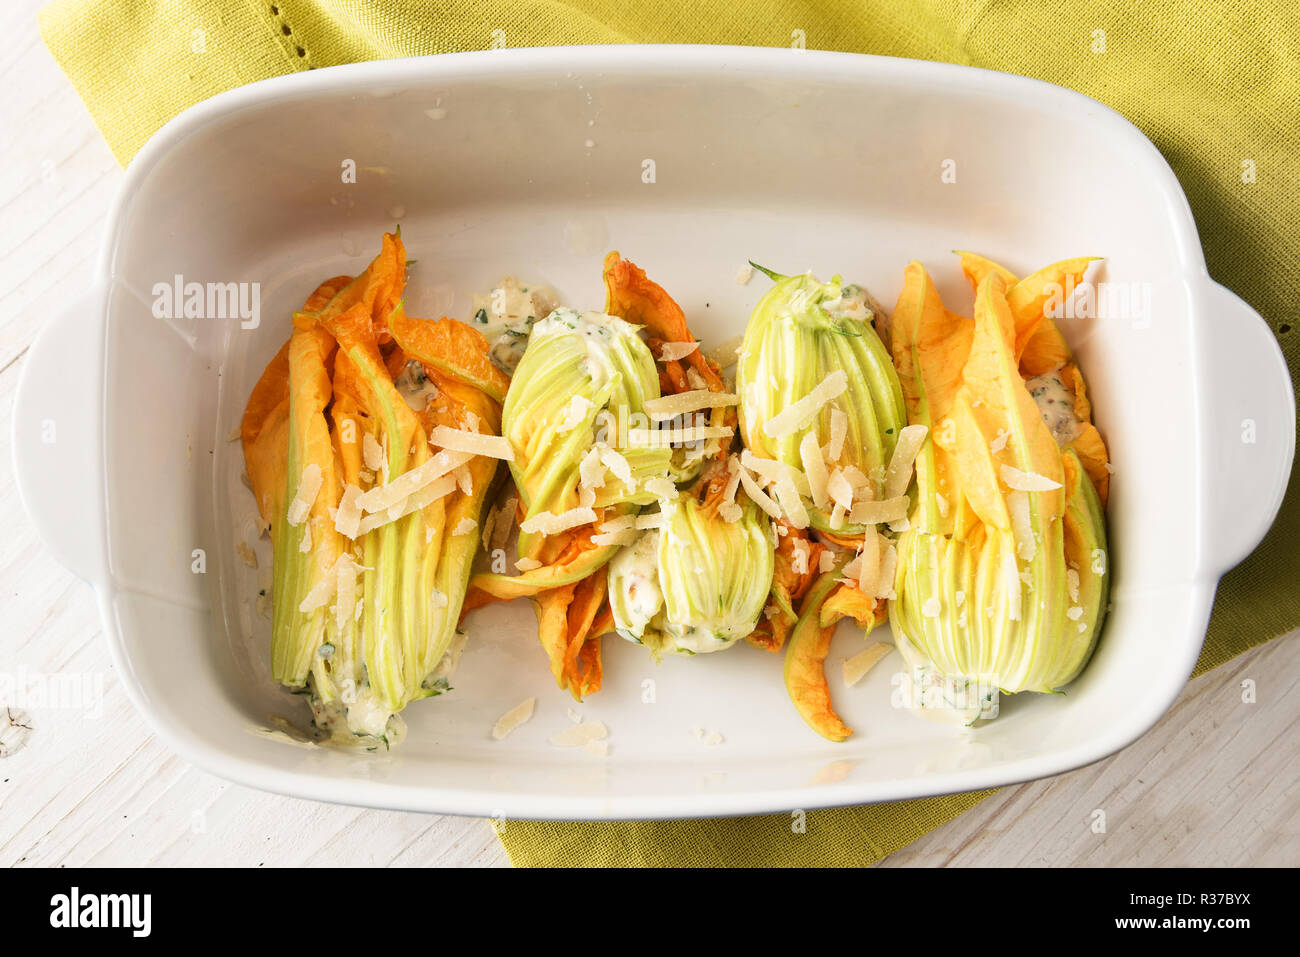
534, 162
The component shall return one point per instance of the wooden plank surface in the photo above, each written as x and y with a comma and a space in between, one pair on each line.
1216, 782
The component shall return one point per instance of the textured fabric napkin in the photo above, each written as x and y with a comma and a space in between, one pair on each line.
1215, 87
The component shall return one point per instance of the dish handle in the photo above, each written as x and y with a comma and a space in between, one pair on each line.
57, 451
1251, 412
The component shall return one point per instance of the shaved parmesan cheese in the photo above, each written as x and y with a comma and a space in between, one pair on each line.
650, 520
671, 406
1072, 584
549, 523
320, 594
942, 502
308, 488
733, 480
464, 480
724, 354
788, 497
519, 714
773, 470
598, 748
412, 503
798, 414
714, 738
1021, 526
856, 668
839, 489
587, 497
999, 441
758, 495
744, 274
1026, 481
826, 562
591, 472
372, 453
837, 517
621, 523
527, 564
869, 563
899, 473
575, 414
1075, 613
304, 545
625, 537
616, 463
814, 467
839, 429
437, 598
661, 487
931, 607
578, 735
386, 496
888, 565
475, 443
672, 351
730, 512
464, 526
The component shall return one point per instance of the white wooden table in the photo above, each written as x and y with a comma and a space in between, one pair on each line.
1216, 782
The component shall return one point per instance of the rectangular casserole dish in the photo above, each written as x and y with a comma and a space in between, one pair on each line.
534, 163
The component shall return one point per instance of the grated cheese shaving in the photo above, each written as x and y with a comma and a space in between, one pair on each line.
1021, 526
650, 520
840, 490
475, 443
616, 463
758, 495
856, 668
575, 414
672, 351
1013, 478
464, 526
888, 565
724, 354
788, 497
308, 488
578, 735
412, 503
372, 453
670, 406
386, 496
519, 714
899, 473
839, 430
798, 414
773, 470
661, 488
549, 523
814, 468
